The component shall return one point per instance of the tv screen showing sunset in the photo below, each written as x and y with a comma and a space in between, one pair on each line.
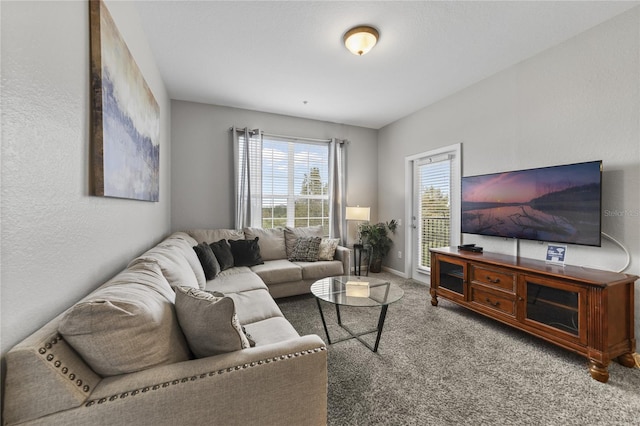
554, 204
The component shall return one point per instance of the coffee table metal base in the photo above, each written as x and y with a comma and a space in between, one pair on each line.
352, 335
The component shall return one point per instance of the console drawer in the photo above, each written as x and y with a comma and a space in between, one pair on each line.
493, 278
501, 303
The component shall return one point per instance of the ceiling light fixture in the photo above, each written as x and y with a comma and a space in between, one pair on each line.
360, 40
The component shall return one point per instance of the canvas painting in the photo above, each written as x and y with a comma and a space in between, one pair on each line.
125, 116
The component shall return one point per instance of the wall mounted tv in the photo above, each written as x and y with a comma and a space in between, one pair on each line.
560, 204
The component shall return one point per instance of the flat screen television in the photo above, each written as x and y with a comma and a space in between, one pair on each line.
560, 204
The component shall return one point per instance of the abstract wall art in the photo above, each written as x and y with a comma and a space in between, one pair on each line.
125, 117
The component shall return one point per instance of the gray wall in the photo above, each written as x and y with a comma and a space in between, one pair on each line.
576, 102
58, 242
202, 159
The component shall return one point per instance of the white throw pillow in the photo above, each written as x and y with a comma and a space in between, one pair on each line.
327, 250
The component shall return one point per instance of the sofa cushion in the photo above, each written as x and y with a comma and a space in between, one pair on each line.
208, 260
278, 271
209, 322
245, 252
127, 325
271, 242
306, 249
327, 250
211, 235
292, 234
236, 282
222, 251
320, 269
254, 305
271, 330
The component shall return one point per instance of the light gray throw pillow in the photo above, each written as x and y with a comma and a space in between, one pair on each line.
209, 322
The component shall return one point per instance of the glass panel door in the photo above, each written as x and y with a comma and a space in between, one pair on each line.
555, 307
451, 277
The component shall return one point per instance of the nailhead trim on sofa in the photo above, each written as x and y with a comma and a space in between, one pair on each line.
202, 376
58, 364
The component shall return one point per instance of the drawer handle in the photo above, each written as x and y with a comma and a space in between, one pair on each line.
492, 280
496, 304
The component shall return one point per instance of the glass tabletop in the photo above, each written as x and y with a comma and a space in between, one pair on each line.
356, 291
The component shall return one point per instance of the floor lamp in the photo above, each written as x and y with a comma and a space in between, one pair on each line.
358, 214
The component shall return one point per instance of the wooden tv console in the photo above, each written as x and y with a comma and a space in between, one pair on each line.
588, 311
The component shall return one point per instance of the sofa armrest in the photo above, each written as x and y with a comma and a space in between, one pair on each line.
343, 254
280, 383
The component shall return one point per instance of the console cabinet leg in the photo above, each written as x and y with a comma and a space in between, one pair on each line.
627, 360
598, 371
434, 298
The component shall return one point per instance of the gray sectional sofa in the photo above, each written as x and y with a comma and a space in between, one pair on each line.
120, 355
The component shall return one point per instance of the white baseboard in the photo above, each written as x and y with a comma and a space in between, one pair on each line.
394, 272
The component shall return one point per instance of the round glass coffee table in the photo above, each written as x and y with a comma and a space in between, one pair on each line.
356, 291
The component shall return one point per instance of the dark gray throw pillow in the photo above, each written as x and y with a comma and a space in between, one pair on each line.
222, 251
246, 252
305, 249
208, 260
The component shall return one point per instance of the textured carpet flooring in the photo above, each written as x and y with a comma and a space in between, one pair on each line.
446, 365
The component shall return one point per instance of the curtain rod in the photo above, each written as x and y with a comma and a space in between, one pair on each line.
238, 129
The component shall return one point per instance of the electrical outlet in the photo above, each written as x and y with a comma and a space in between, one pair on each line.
399, 254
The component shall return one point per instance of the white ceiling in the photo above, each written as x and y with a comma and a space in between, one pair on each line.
287, 57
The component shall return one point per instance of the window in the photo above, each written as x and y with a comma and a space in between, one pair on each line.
434, 214
292, 182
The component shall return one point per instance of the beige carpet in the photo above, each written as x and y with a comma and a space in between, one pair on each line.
446, 365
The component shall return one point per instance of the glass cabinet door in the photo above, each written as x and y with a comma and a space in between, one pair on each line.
555, 306
451, 276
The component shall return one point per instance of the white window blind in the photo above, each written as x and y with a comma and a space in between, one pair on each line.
295, 183
434, 179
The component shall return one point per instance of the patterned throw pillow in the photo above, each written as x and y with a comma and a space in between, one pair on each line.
305, 249
328, 248
209, 322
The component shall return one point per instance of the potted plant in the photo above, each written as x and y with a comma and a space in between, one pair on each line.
376, 237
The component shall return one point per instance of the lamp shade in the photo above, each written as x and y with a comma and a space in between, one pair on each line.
358, 213
360, 40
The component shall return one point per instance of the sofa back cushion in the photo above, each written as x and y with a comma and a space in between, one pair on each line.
271, 242
292, 234
175, 266
212, 235
127, 325
184, 243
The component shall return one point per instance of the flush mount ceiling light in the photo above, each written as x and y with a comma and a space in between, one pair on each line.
360, 40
